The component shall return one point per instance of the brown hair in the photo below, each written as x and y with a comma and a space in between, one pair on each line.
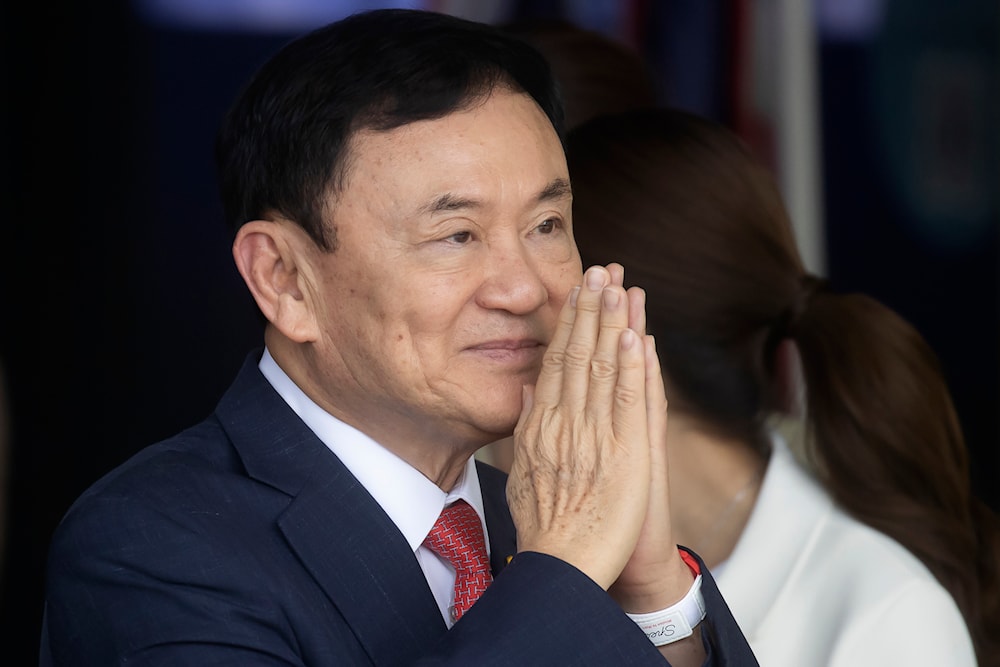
596, 74
699, 223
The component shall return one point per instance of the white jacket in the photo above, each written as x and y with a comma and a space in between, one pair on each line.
810, 586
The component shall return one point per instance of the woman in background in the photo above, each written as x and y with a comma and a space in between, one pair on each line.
880, 551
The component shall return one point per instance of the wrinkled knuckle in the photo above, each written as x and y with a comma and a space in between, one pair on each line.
588, 305
553, 362
603, 369
576, 356
627, 396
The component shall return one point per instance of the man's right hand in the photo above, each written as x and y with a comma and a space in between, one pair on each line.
580, 481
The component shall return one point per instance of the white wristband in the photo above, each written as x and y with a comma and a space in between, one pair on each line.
675, 622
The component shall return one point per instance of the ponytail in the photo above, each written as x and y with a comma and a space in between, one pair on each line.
890, 449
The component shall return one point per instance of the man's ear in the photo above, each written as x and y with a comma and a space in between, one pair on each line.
270, 256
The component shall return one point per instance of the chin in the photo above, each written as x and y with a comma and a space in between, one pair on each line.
494, 422
490, 412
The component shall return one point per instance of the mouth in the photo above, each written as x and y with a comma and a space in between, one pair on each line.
513, 344
520, 350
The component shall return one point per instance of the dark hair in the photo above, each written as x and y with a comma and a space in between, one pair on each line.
282, 146
699, 223
596, 74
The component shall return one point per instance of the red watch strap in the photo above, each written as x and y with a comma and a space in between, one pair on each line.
690, 561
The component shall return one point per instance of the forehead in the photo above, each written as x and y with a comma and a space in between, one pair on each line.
505, 139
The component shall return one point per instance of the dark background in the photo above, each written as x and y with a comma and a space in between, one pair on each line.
122, 318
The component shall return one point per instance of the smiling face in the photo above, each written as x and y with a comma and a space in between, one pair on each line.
454, 256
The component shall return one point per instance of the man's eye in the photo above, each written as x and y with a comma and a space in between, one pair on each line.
461, 238
548, 226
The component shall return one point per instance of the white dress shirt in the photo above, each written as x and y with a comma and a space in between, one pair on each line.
410, 499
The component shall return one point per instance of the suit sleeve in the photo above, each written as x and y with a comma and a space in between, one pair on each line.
724, 641
541, 610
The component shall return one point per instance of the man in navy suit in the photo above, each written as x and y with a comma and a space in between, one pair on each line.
402, 216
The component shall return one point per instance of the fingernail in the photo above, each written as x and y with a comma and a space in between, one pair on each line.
611, 298
595, 278
573, 294
627, 339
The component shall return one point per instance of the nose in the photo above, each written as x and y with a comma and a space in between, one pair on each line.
513, 280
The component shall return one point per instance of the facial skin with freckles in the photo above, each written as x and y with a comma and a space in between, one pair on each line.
455, 254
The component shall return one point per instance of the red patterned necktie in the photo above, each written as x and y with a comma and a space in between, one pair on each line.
457, 536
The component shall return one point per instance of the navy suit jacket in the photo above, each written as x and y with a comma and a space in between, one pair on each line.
245, 541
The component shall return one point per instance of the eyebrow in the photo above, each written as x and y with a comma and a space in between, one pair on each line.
557, 189
451, 202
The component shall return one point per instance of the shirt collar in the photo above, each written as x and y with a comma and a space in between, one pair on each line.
410, 499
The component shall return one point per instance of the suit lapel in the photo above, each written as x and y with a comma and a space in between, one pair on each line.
503, 542
341, 535
365, 566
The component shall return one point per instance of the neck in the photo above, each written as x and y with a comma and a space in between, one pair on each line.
714, 483
439, 450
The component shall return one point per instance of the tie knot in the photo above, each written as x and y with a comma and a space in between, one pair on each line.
457, 536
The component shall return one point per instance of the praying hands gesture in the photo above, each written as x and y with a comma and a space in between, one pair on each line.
589, 479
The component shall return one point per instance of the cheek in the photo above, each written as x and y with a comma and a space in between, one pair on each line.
417, 318
361, 318
565, 277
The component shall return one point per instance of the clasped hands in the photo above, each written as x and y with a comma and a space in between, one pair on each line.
588, 482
